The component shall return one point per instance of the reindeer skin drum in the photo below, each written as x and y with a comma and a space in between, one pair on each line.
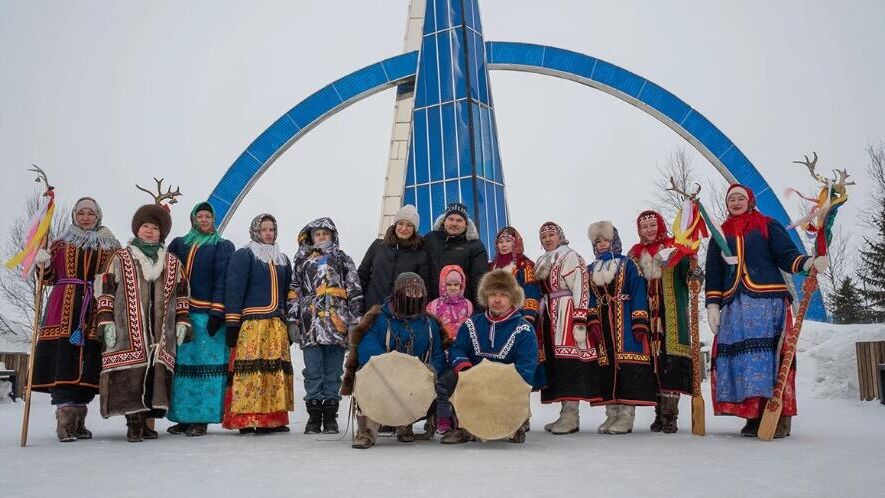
491, 400
394, 389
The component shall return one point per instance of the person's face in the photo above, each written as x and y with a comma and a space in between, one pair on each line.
267, 232
550, 240
321, 235
603, 245
404, 230
453, 288
505, 244
149, 232
204, 221
499, 302
455, 224
86, 218
648, 230
737, 203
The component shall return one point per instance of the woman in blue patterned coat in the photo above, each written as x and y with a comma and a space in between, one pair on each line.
201, 366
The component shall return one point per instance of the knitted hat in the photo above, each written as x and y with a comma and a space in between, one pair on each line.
456, 208
500, 281
407, 213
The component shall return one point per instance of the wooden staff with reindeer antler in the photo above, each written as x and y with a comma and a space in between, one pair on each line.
819, 222
698, 411
160, 195
37, 238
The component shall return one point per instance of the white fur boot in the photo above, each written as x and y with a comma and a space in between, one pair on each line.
549, 427
611, 414
569, 419
624, 423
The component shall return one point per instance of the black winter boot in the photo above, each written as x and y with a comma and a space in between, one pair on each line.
330, 416
314, 417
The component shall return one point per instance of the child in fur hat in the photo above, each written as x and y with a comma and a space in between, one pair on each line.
500, 334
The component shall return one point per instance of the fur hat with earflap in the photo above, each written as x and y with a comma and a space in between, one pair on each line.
604, 230
500, 281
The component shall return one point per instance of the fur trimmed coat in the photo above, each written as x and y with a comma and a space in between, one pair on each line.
374, 323
146, 342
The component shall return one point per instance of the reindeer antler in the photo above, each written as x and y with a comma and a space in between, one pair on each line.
692, 196
841, 176
811, 164
41, 176
160, 195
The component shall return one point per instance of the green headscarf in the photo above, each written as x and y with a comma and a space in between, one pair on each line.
197, 238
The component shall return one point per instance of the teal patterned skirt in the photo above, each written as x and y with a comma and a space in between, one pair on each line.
200, 376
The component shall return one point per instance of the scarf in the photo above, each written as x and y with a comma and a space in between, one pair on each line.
195, 237
752, 219
147, 248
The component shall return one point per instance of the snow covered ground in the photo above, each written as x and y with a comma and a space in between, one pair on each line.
836, 449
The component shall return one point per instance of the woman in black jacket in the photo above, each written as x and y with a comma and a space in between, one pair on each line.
401, 250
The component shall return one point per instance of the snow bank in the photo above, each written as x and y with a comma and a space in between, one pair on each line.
826, 359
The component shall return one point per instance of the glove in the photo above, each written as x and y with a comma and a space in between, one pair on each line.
232, 334
294, 333
43, 257
181, 333
820, 263
713, 318
596, 333
639, 336
215, 323
110, 335
579, 332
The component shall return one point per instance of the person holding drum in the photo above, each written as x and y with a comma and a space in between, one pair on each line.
500, 334
400, 324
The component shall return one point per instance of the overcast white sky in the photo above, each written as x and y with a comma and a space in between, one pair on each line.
106, 94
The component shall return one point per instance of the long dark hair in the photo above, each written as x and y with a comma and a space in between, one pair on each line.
413, 243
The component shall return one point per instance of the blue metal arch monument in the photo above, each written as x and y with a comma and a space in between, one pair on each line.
452, 144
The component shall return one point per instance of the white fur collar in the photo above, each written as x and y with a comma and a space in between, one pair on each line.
548, 259
604, 271
651, 266
150, 270
267, 253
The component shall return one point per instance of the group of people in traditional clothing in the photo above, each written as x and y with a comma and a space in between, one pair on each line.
201, 333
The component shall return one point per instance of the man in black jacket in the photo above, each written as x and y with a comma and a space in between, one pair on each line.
454, 240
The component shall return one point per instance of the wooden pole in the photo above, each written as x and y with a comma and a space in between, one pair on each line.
698, 421
38, 307
774, 406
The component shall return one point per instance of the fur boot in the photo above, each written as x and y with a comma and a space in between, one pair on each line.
751, 428
611, 414
518, 436
66, 423
178, 428
457, 436
527, 425
330, 416
404, 434
148, 432
135, 428
669, 414
569, 419
783, 427
657, 425
196, 430
366, 431
624, 423
549, 427
314, 417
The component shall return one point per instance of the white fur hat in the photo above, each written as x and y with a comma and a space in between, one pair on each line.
601, 230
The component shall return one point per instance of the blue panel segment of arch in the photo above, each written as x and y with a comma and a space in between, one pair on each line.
246, 170
645, 94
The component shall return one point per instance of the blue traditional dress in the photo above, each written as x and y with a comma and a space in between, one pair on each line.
201, 367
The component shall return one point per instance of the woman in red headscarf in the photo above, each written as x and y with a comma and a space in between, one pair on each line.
668, 304
748, 308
